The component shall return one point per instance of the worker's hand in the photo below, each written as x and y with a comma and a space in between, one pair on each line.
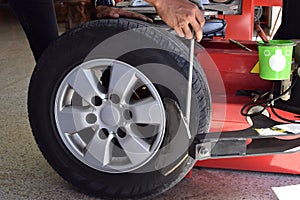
111, 12
178, 14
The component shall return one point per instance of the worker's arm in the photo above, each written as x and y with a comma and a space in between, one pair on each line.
106, 9
112, 12
178, 14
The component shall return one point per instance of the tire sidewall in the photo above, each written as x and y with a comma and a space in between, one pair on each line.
51, 69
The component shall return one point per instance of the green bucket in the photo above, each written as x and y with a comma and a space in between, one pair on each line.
275, 59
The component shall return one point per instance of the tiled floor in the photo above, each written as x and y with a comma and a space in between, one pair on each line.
24, 173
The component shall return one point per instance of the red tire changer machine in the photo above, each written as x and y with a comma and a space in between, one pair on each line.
255, 122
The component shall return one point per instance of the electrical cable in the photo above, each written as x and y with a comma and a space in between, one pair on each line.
267, 103
283, 118
252, 104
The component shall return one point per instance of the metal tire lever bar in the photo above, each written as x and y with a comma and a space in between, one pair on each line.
190, 80
191, 65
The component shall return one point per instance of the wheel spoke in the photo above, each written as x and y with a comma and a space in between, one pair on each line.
85, 83
122, 81
135, 148
101, 89
146, 111
73, 120
100, 149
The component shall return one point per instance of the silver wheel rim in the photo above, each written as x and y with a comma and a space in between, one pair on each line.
109, 116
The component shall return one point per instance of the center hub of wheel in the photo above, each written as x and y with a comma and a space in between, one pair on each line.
110, 115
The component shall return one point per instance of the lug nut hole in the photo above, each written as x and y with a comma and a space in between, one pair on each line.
127, 114
103, 133
121, 132
115, 98
91, 118
96, 101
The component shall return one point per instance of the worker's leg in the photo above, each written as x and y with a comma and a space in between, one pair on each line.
38, 20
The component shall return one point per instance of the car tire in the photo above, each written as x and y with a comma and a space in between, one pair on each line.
84, 49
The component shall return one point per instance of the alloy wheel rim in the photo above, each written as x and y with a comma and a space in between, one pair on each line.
109, 115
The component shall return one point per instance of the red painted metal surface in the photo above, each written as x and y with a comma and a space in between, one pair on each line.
240, 27
268, 2
228, 70
228, 67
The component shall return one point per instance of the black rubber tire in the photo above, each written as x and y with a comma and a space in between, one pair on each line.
53, 66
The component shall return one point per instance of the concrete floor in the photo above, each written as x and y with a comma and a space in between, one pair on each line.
24, 173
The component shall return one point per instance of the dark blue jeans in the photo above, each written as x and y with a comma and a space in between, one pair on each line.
38, 20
